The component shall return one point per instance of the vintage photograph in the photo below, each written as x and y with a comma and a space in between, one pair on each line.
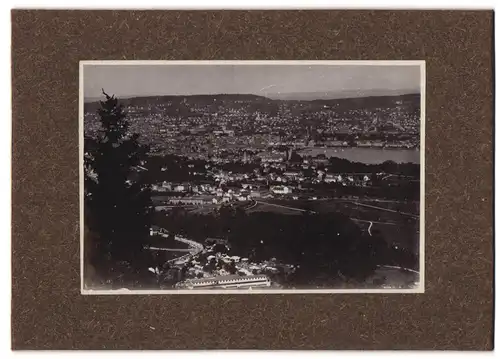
252, 176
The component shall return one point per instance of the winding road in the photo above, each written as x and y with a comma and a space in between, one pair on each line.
401, 268
171, 249
194, 247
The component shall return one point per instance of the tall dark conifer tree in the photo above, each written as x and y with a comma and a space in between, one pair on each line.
118, 197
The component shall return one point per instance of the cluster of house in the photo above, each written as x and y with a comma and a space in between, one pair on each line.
279, 163
210, 267
205, 194
183, 187
272, 157
226, 176
383, 144
320, 176
245, 274
361, 179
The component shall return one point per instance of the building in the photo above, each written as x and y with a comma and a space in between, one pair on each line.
329, 178
292, 174
154, 230
281, 190
271, 157
229, 281
249, 186
157, 188
210, 241
254, 194
197, 201
167, 185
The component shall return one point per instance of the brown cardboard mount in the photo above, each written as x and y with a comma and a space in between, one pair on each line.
456, 310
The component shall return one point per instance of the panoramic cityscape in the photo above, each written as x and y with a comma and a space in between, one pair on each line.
252, 177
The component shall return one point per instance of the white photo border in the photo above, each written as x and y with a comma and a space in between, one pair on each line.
421, 63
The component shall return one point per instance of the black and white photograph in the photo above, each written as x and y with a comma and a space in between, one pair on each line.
252, 177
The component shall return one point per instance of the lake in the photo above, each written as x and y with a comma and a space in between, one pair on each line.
366, 155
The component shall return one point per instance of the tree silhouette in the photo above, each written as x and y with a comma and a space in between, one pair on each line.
295, 157
117, 193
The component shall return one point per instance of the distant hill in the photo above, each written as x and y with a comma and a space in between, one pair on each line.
181, 104
309, 96
369, 101
180, 98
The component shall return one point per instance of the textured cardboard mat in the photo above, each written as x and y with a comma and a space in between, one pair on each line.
456, 312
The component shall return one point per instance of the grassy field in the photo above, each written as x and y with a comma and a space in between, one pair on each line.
404, 207
205, 209
397, 229
397, 235
271, 207
351, 208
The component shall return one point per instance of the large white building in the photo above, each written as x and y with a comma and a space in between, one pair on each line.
229, 281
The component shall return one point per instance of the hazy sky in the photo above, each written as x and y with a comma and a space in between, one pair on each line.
266, 80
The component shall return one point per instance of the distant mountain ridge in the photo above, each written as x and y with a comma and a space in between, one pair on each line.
188, 106
329, 95
156, 98
313, 96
